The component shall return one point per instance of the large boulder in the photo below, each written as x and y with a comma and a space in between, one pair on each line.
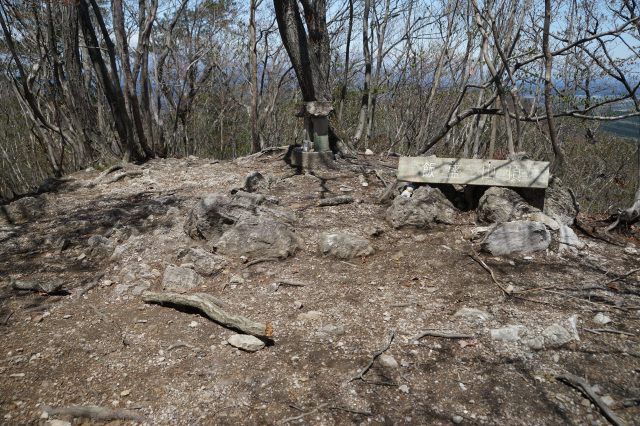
560, 203
343, 246
516, 237
179, 279
502, 205
205, 263
427, 206
217, 213
27, 208
259, 236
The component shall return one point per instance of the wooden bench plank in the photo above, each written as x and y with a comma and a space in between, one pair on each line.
465, 171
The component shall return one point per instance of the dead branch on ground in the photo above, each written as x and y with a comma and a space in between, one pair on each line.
622, 277
98, 413
348, 410
580, 384
262, 259
343, 199
475, 257
607, 330
443, 335
203, 303
91, 285
373, 359
290, 419
282, 282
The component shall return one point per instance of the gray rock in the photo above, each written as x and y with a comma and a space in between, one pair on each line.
502, 205
343, 246
560, 203
427, 206
311, 315
602, 319
391, 192
388, 361
255, 182
516, 237
556, 335
246, 342
373, 231
537, 343
472, 313
24, 209
179, 279
457, 419
509, 333
539, 216
99, 247
332, 330
608, 400
206, 263
217, 213
568, 240
259, 237
404, 388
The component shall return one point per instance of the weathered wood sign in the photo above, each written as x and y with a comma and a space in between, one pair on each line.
464, 171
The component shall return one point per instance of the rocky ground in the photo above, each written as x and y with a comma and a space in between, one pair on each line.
89, 340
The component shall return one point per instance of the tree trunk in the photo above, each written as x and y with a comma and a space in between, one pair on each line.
253, 55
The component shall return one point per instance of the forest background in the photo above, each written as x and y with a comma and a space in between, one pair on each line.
91, 83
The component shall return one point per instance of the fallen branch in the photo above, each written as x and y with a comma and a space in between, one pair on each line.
6, 319
343, 199
262, 259
98, 413
119, 176
110, 170
348, 410
443, 335
179, 345
91, 285
475, 257
608, 330
290, 419
381, 178
621, 277
532, 290
373, 359
35, 285
281, 282
204, 303
580, 384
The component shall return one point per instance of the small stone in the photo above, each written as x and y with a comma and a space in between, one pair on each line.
510, 333
330, 329
608, 400
397, 256
601, 318
125, 393
404, 388
193, 324
457, 419
236, 280
585, 402
631, 250
388, 361
44, 415
368, 152
555, 358
536, 343
310, 315
297, 304
472, 313
246, 342
557, 335
57, 422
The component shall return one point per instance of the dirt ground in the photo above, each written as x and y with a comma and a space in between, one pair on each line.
106, 348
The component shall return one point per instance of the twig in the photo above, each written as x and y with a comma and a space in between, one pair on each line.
621, 277
588, 301
290, 419
262, 259
373, 359
381, 178
99, 413
179, 345
350, 264
531, 290
348, 410
100, 314
608, 330
280, 282
211, 310
6, 319
443, 335
475, 257
581, 384
91, 285
343, 199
